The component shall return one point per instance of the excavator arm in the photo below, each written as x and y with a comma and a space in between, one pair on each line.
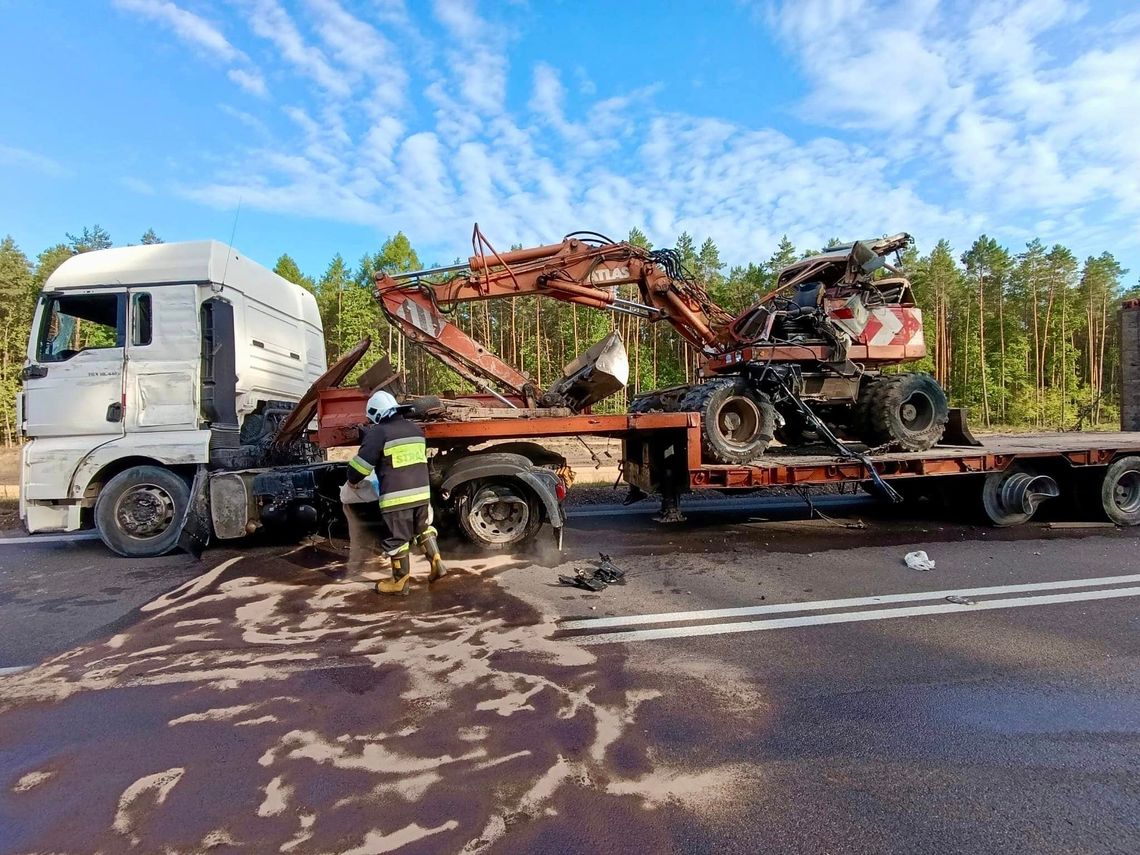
583, 270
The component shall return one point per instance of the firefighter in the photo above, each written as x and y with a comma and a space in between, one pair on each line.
395, 448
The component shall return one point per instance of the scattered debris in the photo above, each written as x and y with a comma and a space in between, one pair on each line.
605, 574
961, 601
918, 560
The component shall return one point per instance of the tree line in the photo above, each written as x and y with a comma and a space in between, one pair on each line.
1024, 339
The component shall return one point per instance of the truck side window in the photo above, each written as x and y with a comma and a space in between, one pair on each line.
82, 322
140, 320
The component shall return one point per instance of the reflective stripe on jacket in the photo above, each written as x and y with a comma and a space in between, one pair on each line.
397, 450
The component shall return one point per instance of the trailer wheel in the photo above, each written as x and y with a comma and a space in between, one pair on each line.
138, 512
908, 410
1012, 497
1120, 491
499, 514
736, 424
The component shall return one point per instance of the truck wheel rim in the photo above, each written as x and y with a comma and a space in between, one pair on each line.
144, 511
498, 515
738, 421
917, 412
1126, 492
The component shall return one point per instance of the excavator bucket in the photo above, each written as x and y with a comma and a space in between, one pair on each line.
599, 372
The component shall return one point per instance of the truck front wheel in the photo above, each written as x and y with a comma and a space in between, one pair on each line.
138, 511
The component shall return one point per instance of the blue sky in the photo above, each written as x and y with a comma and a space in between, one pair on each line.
335, 123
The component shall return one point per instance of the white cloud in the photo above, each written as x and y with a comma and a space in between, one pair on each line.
271, 22
364, 50
919, 126
478, 56
200, 33
24, 159
249, 80
188, 26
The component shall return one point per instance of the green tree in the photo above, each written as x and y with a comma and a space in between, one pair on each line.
17, 298
149, 237
287, 268
90, 239
638, 238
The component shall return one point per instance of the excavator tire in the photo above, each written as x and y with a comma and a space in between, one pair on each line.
736, 424
908, 411
860, 426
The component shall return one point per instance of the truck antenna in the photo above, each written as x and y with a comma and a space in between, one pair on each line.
230, 251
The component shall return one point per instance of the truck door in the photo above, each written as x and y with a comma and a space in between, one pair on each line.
73, 381
162, 345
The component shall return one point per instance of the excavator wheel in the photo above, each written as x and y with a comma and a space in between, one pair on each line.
736, 423
909, 411
860, 426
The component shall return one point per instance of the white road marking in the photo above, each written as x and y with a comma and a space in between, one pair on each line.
15, 669
850, 602
849, 617
49, 538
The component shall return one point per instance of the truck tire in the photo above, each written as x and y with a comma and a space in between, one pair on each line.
139, 511
498, 514
736, 424
907, 410
1120, 491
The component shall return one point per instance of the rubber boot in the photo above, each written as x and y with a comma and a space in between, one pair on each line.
401, 582
427, 542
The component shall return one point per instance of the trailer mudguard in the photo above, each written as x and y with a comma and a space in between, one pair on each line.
490, 464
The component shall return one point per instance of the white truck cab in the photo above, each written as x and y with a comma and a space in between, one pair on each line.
142, 365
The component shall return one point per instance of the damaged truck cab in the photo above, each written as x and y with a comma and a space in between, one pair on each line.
142, 362
160, 385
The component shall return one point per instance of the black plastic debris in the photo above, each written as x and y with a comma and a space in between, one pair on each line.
606, 573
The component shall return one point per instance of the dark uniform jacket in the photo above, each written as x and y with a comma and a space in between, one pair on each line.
396, 449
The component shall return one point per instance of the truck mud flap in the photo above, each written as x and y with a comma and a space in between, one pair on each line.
195, 529
957, 432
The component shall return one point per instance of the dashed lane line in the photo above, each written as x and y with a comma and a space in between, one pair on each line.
849, 602
849, 617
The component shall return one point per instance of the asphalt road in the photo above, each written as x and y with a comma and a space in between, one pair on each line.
761, 682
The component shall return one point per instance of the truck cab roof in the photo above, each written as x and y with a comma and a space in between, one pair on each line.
198, 262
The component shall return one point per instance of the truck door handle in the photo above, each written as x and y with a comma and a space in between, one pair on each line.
33, 372
115, 412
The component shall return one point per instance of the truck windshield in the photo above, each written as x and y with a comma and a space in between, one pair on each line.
84, 322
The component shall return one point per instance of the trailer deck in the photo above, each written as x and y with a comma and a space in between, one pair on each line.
648, 437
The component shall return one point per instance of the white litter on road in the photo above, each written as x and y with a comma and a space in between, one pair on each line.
918, 560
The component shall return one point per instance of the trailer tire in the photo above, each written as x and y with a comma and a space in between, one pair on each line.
498, 514
907, 410
736, 423
1120, 491
139, 512
1007, 494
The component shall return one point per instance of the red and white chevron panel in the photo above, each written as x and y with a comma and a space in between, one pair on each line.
880, 326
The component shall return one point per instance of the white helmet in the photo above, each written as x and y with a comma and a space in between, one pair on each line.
381, 406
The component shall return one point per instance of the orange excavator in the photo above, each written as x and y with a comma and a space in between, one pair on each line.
807, 357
